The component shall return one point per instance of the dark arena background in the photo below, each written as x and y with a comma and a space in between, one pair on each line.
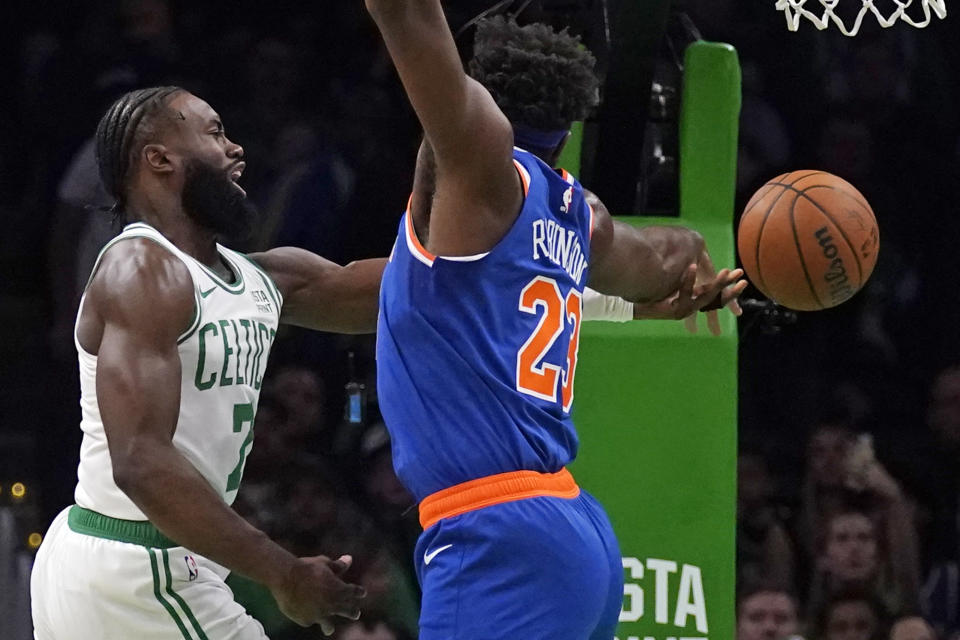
844, 423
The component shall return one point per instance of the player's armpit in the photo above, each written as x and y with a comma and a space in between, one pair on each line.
322, 295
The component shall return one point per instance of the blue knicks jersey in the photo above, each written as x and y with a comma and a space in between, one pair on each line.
476, 355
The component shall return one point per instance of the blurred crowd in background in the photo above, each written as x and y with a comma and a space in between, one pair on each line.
850, 419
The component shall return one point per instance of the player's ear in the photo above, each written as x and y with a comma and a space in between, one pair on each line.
157, 158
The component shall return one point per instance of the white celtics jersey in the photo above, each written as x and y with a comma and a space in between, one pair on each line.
223, 355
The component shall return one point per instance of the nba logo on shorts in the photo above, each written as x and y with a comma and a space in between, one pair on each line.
191, 567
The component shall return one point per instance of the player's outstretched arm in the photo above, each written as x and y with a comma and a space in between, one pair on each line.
320, 294
667, 270
144, 297
478, 192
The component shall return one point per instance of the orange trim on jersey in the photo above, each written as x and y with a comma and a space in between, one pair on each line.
495, 489
412, 235
524, 177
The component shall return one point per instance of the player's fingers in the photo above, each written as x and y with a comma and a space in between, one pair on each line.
713, 322
690, 322
348, 601
326, 626
711, 291
687, 282
731, 295
352, 614
341, 564
356, 592
681, 305
707, 270
734, 290
349, 612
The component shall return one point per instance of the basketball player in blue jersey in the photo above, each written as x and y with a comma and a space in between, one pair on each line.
480, 313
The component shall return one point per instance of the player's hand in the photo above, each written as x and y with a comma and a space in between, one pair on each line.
697, 292
314, 593
723, 288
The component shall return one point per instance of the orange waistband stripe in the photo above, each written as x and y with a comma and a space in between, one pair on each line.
495, 489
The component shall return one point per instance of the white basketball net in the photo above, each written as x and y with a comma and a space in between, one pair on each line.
824, 16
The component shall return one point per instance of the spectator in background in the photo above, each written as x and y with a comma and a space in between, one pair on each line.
766, 612
301, 392
912, 628
849, 616
943, 419
764, 549
843, 474
854, 558
941, 591
823, 489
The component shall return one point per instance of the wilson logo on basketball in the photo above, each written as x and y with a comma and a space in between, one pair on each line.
838, 284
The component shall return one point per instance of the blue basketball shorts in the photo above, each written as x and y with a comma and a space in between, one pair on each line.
540, 567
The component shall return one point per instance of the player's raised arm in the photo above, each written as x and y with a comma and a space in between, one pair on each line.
457, 113
145, 299
322, 295
477, 186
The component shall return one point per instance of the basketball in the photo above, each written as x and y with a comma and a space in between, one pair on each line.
808, 240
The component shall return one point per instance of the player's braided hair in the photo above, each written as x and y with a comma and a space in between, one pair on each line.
128, 122
539, 78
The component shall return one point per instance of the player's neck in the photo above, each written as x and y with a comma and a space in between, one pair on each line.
166, 215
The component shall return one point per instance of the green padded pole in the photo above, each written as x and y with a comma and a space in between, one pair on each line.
573, 150
656, 407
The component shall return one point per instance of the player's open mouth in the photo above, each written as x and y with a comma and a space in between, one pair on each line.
236, 173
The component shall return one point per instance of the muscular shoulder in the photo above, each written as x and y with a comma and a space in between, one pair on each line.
142, 284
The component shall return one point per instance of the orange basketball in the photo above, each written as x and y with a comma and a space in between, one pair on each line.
808, 240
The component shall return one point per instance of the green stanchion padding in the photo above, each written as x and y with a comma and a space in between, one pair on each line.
656, 407
573, 151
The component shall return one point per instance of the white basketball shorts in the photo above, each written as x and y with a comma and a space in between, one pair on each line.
99, 577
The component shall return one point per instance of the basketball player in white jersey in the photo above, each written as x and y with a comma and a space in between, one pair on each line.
173, 335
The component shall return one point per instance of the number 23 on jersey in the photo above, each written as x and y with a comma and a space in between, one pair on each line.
535, 376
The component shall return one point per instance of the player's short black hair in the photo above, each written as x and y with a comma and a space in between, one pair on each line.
126, 122
540, 78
